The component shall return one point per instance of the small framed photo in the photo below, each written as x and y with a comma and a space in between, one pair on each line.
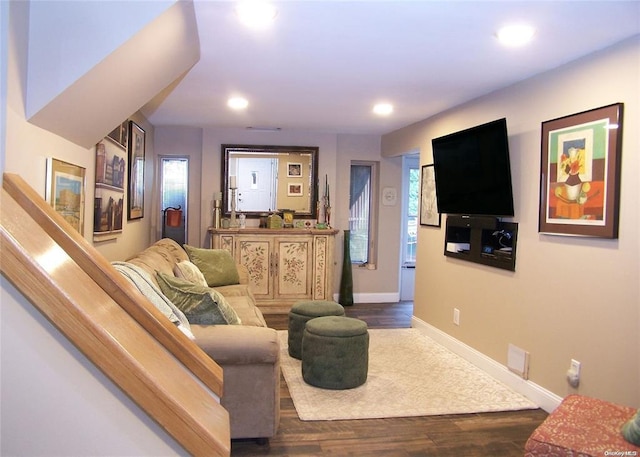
294, 189
294, 170
65, 191
580, 173
429, 214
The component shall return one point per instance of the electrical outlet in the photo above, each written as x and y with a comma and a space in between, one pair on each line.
456, 316
573, 375
575, 367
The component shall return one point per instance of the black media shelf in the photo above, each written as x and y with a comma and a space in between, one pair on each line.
483, 240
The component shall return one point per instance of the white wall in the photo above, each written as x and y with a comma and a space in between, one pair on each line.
53, 400
569, 297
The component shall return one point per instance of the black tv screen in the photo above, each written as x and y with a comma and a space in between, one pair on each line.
473, 171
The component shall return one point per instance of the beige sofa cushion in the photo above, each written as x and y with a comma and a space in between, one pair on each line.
188, 271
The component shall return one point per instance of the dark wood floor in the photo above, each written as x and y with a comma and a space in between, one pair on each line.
469, 435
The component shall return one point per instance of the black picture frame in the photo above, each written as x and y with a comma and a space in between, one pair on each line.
135, 197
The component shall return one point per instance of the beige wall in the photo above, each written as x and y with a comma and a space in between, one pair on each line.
569, 297
335, 155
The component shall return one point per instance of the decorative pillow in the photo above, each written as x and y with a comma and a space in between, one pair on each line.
201, 305
631, 430
143, 282
188, 271
216, 265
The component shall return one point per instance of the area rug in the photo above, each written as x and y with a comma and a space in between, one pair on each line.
409, 375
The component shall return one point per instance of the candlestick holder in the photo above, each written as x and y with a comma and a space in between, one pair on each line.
234, 220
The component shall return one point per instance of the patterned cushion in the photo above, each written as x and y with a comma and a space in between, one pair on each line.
581, 426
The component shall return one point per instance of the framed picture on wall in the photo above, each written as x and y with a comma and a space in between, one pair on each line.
429, 214
294, 189
108, 206
580, 173
294, 170
135, 197
65, 191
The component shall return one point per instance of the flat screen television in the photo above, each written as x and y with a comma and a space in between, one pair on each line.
473, 171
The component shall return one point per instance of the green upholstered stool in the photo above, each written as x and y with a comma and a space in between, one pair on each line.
335, 352
304, 311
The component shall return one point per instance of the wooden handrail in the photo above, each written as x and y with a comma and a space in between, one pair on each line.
40, 257
112, 282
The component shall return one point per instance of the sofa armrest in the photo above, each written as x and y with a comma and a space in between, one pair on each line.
238, 344
243, 273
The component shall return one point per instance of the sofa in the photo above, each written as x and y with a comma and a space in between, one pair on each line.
248, 352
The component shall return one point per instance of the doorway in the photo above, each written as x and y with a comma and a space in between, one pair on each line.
174, 178
409, 234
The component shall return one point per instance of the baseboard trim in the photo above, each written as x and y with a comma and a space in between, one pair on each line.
385, 297
542, 397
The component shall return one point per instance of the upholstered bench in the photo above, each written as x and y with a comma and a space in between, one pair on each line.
301, 313
582, 426
335, 352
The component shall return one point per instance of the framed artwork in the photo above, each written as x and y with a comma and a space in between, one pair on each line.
429, 214
108, 205
580, 173
294, 170
65, 191
135, 197
294, 190
120, 134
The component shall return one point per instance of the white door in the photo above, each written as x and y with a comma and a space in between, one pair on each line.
257, 184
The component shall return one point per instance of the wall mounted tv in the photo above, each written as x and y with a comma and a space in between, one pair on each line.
473, 171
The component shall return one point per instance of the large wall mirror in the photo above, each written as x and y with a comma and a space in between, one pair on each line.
270, 178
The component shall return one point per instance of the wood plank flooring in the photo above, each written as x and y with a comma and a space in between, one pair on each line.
470, 435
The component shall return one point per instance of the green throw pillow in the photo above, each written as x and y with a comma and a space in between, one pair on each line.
201, 305
216, 265
631, 430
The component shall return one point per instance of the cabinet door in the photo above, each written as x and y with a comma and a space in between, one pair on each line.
255, 254
294, 267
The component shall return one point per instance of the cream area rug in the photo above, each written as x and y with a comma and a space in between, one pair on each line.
409, 375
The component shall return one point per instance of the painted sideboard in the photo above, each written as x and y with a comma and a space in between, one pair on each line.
285, 265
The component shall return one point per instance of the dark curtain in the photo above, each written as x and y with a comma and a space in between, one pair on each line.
360, 175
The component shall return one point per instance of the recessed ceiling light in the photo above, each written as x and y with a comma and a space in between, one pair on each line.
516, 34
256, 13
237, 103
383, 109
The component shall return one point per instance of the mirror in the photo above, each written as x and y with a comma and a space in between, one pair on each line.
270, 178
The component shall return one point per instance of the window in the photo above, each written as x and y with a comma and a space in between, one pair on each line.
410, 214
363, 213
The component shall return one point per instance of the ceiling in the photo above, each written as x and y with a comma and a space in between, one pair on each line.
322, 65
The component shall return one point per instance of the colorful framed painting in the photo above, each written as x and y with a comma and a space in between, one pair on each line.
429, 214
65, 191
580, 173
135, 198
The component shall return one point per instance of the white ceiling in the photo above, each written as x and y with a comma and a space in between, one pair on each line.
323, 64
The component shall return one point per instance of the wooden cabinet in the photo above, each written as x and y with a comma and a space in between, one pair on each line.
284, 265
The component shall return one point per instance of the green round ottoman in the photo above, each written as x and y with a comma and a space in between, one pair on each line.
301, 313
335, 352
